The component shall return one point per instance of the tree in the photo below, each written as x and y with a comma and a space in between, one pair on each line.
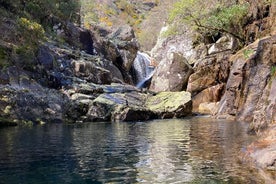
210, 17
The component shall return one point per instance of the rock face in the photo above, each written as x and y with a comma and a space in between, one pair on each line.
250, 86
24, 99
209, 72
171, 74
120, 47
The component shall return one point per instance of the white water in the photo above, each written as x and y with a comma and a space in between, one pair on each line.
142, 68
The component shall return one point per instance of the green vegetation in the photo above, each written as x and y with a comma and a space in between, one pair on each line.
43, 10
210, 17
273, 71
247, 53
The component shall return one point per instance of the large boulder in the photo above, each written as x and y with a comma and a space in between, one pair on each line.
132, 105
175, 43
170, 104
119, 106
225, 43
171, 74
78, 37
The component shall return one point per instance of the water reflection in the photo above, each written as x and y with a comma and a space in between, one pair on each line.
197, 150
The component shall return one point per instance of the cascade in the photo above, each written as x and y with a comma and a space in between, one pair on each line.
143, 70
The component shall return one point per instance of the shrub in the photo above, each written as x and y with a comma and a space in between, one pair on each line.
30, 31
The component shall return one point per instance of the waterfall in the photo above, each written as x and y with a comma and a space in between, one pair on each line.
142, 69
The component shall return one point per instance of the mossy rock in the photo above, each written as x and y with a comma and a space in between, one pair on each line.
170, 104
4, 122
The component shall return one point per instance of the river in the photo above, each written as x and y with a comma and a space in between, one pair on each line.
192, 150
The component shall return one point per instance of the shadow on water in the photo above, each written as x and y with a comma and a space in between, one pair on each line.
196, 150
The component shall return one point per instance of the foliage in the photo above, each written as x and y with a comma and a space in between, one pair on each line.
88, 12
210, 17
273, 71
42, 10
32, 31
247, 53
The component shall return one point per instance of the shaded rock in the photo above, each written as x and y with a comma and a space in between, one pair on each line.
118, 106
45, 58
6, 122
171, 74
78, 37
211, 94
24, 99
91, 73
170, 104
209, 72
249, 78
122, 113
120, 47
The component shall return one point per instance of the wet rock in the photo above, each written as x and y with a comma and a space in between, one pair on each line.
120, 47
263, 151
122, 113
171, 74
170, 104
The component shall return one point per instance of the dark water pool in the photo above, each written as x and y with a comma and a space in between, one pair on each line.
197, 150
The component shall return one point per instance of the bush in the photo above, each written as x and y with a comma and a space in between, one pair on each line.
30, 31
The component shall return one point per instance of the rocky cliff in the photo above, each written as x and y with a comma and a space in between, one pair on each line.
228, 81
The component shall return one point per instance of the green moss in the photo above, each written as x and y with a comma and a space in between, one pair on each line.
167, 101
273, 71
247, 53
